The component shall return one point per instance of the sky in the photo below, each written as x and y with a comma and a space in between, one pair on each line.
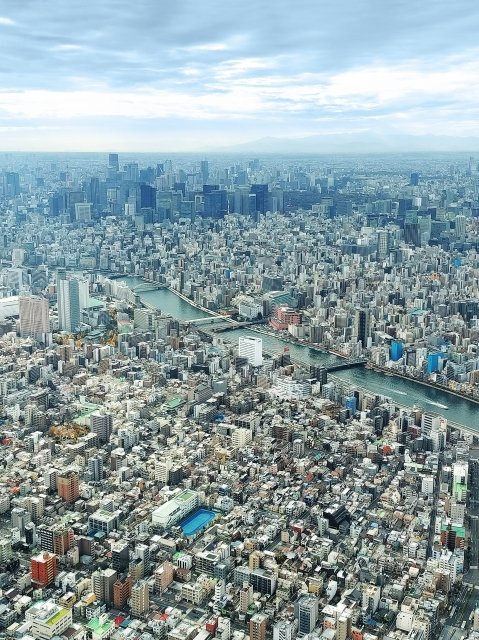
195, 75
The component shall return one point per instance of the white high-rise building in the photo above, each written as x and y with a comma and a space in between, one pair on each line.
84, 293
252, 349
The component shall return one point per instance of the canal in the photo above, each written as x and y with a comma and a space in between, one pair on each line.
405, 392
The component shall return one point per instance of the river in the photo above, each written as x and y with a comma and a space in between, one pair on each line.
406, 392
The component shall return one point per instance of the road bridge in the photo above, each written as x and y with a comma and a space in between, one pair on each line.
347, 364
147, 286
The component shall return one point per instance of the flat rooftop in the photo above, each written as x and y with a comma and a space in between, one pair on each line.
184, 496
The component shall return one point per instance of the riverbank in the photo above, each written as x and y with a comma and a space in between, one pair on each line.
431, 385
194, 304
394, 403
462, 411
385, 371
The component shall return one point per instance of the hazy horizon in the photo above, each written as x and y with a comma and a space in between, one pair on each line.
196, 78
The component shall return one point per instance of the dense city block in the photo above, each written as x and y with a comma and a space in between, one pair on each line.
239, 397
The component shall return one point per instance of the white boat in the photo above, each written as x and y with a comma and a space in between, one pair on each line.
401, 393
437, 404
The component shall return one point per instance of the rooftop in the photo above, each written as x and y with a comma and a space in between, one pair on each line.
184, 496
99, 625
58, 616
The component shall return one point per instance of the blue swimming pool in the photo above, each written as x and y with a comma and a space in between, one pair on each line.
196, 521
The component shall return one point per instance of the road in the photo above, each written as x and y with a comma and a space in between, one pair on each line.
472, 525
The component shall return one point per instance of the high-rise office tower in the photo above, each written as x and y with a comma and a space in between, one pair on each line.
412, 233
68, 294
11, 183
140, 598
147, 197
68, 485
34, 317
113, 161
132, 172
383, 243
215, 201
361, 325
204, 170
251, 348
460, 227
83, 293
93, 192
414, 179
261, 193
83, 211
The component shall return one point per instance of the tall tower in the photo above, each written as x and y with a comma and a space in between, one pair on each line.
361, 326
460, 226
68, 295
34, 317
113, 161
204, 170
383, 243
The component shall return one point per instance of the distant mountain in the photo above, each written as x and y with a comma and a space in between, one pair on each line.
356, 143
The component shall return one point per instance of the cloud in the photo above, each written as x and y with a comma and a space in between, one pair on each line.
68, 47
253, 88
278, 70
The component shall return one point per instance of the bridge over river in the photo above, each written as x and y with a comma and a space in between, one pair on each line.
458, 411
